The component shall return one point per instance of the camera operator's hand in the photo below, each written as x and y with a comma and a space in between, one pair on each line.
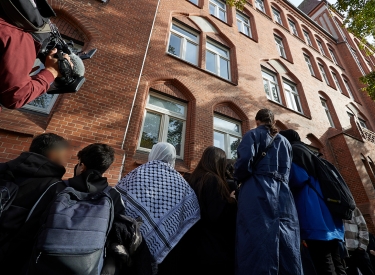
51, 63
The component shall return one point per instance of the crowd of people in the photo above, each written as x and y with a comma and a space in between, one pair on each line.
260, 214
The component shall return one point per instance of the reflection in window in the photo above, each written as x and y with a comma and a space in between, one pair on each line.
292, 97
260, 5
309, 65
218, 9
227, 135
277, 16
333, 56
328, 113
164, 121
307, 36
320, 45
336, 81
194, 2
184, 44
217, 60
362, 123
270, 86
243, 24
348, 89
293, 27
280, 46
323, 71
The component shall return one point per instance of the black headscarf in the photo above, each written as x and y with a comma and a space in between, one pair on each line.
302, 156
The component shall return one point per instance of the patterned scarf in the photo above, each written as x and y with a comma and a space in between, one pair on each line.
164, 200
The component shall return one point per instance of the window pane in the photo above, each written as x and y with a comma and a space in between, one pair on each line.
212, 9
184, 32
150, 133
234, 142
191, 54
219, 3
42, 101
217, 49
224, 68
174, 45
268, 76
239, 25
219, 140
267, 88
222, 14
275, 93
175, 134
296, 102
225, 124
194, 2
246, 30
171, 106
210, 62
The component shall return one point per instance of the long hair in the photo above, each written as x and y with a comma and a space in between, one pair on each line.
212, 164
267, 117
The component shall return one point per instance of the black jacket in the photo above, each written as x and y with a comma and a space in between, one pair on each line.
34, 173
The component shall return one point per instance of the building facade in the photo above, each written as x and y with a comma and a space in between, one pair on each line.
195, 72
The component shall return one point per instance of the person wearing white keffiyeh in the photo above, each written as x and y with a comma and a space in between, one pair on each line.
158, 194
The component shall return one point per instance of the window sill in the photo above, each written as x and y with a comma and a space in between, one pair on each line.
139, 159
299, 38
286, 59
226, 23
264, 13
285, 28
321, 80
203, 70
315, 49
281, 105
249, 37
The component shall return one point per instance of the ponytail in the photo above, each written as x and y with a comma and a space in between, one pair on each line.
267, 117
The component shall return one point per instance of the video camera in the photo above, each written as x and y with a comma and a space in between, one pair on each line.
71, 79
33, 16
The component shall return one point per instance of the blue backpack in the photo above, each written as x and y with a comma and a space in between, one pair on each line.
72, 239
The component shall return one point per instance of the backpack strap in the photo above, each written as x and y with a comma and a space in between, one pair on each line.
264, 153
40, 198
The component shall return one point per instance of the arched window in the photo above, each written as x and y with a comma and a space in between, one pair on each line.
338, 83
310, 62
197, 41
326, 76
307, 35
278, 15
332, 55
293, 26
321, 46
329, 110
218, 8
348, 88
246, 23
263, 6
227, 124
283, 87
282, 45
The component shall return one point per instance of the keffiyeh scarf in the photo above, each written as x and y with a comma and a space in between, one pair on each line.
158, 194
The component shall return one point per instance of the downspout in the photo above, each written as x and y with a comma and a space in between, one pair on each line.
136, 90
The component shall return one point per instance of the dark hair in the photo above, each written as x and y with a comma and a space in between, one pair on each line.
97, 156
45, 143
212, 164
291, 135
267, 117
229, 170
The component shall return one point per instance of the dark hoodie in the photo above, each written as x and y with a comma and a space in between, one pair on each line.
34, 173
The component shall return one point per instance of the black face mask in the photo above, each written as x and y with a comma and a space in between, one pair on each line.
75, 169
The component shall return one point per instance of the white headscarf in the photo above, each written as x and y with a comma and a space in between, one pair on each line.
163, 151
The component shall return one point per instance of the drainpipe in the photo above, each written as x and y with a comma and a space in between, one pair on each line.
136, 90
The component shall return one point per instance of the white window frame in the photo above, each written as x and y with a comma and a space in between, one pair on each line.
323, 72
227, 133
217, 59
277, 16
332, 53
164, 122
184, 40
307, 37
320, 45
274, 82
280, 46
289, 94
260, 5
336, 80
244, 22
309, 64
293, 27
327, 111
217, 8
348, 89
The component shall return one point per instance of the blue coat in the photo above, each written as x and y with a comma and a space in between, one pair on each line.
268, 240
316, 222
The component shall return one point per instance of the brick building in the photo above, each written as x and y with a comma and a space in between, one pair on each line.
195, 72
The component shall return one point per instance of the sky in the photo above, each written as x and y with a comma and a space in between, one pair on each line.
297, 2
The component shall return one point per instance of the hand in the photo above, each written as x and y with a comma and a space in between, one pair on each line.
360, 248
233, 195
51, 63
372, 252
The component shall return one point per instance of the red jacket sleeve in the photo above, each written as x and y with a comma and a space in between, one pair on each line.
17, 56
